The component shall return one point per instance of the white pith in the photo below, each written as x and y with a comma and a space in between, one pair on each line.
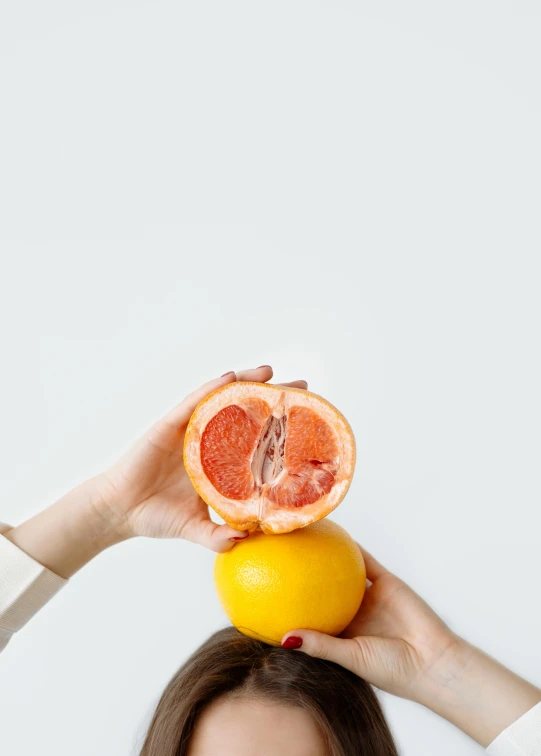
268, 460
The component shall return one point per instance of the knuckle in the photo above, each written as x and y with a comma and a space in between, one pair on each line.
355, 655
321, 650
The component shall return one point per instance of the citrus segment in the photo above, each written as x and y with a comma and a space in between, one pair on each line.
227, 445
310, 460
269, 457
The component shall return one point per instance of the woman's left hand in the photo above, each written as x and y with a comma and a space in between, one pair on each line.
398, 643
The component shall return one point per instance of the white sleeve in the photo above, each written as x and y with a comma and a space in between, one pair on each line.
25, 586
522, 738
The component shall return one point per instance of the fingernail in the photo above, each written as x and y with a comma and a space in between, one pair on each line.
231, 372
239, 538
292, 642
263, 366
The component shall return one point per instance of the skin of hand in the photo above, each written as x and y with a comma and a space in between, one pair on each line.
399, 644
146, 493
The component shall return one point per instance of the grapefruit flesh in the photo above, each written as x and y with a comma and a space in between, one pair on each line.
267, 457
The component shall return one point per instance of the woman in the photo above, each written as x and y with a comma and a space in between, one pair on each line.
236, 695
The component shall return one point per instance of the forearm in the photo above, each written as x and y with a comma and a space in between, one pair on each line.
476, 693
69, 533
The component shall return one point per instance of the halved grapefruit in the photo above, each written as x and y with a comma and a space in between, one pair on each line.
269, 457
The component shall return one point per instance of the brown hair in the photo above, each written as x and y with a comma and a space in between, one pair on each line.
343, 705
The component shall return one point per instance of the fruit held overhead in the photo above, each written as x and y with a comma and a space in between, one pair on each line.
268, 457
313, 579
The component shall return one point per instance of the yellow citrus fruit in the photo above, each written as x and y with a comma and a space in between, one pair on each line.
312, 578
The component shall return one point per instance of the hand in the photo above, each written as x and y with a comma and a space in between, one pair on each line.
394, 641
148, 491
399, 644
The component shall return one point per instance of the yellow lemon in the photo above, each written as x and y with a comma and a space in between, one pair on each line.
313, 578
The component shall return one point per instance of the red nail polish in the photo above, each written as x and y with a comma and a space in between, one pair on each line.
231, 372
239, 538
292, 642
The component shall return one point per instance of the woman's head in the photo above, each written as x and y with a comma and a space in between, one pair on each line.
237, 696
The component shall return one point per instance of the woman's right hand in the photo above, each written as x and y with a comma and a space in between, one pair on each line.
146, 493
400, 645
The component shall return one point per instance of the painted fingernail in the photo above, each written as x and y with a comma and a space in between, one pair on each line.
231, 372
239, 538
292, 642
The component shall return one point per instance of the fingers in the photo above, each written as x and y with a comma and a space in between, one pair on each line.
295, 384
372, 658
219, 538
264, 374
339, 650
259, 375
180, 415
374, 569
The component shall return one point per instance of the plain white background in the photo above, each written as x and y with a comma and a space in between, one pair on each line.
347, 190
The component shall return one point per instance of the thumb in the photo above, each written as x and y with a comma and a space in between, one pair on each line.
343, 651
219, 538
363, 655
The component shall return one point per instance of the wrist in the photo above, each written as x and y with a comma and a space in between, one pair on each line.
99, 516
475, 692
438, 683
69, 533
